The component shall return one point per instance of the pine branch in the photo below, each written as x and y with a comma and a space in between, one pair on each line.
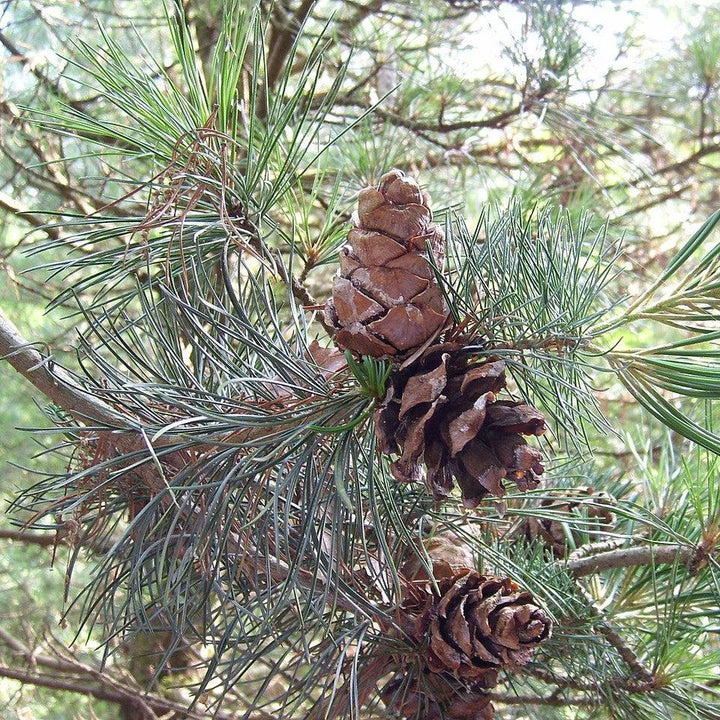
49, 541
54, 178
594, 548
53, 86
494, 122
631, 557
645, 678
288, 31
285, 31
41, 539
142, 707
551, 700
35, 658
128, 700
688, 163
626, 684
54, 382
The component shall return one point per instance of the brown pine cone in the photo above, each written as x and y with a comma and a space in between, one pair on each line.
597, 518
386, 300
471, 706
442, 412
449, 554
477, 626
444, 700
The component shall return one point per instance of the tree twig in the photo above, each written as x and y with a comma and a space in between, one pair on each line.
52, 86
644, 679
551, 700
129, 700
288, 30
87, 680
630, 557
8, 204
284, 32
54, 382
596, 548
49, 541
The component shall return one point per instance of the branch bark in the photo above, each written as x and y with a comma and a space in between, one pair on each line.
54, 382
287, 30
50, 541
284, 31
551, 700
145, 706
631, 557
96, 691
66, 673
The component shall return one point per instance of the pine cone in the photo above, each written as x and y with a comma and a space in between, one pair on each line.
471, 706
597, 517
386, 300
477, 626
449, 554
444, 700
442, 412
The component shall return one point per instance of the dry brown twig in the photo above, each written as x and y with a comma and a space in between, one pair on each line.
630, 557
65, 672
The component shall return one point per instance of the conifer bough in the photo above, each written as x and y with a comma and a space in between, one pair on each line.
594, 508
441, 410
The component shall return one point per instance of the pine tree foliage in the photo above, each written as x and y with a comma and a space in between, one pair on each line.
244, 505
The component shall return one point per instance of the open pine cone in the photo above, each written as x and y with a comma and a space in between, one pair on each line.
476, 626
442, 412
386, 300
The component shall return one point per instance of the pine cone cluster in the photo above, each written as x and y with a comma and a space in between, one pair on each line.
476, 626
594, 510
386, 301
442, 412
441, 415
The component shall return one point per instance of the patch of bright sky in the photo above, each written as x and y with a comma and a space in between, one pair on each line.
657, 29
656, 26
